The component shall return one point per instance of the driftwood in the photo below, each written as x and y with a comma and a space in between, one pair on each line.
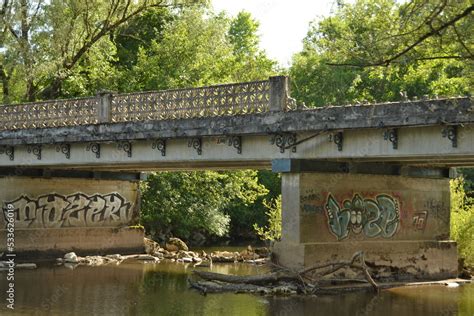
283, 281
214, 287
206, 287
271, 278
358, 256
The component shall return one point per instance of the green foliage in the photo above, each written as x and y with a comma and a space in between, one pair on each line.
193, 52
272, 231
181, 203
94, 72
361, 53
74, 48
54, 48
468, 175
462, 220
244, 216
136, 227
140, 32
199, 47
249, 61
243, 34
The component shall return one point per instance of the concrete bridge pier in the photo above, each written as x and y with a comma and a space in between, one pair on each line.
47, 213
399, 216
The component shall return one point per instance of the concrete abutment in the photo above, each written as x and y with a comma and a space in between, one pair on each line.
88, 214
399, 218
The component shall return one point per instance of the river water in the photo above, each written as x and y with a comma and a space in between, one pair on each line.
161, 289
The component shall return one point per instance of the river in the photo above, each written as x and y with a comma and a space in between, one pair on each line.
161, 289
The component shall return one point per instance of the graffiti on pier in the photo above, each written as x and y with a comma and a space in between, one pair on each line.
438, 210
379, 217
419, 220
76, 210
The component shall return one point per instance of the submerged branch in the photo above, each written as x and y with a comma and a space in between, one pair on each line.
285, 281
251, 279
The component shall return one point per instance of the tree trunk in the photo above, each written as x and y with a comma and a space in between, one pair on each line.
30, 90
5, 85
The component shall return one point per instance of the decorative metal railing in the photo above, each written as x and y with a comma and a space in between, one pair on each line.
221, 100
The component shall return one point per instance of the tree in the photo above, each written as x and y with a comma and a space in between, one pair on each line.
243, 216
199, 47
394, 33
19, 19
192, 52
140, 31
52, 38
379, 51
180, 203
251, 63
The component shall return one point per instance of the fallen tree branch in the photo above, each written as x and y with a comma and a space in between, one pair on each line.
197, 286
364, 268
212, 287
332, 264
284, 281
371, 280
250, 279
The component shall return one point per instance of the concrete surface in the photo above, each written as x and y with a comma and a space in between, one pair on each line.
60, 215
401, 223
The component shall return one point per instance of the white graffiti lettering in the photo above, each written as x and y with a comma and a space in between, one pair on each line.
76, 210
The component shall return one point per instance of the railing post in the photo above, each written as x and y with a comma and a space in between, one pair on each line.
104, 106
278, 93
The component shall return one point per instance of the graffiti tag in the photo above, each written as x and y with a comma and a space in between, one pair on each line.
373, 218
419, 220
76, 210
309, 208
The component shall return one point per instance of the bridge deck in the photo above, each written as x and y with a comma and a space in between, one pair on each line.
230, 126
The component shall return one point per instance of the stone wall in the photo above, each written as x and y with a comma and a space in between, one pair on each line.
57, 215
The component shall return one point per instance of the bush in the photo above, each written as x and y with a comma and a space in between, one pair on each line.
462, 220
244, 216
272, 231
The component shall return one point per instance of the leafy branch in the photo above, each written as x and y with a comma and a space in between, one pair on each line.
434, 31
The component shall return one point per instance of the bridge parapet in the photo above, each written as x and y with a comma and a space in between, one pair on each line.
56, 113
213, 101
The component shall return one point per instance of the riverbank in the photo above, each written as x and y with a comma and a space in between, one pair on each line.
175, 250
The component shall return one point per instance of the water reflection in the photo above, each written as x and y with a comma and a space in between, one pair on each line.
161, 289
421, 301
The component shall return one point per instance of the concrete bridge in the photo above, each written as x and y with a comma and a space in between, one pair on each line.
370, 177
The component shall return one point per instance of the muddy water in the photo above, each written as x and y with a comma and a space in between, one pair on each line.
161, 289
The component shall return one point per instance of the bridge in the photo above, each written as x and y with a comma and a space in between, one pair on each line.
370, 177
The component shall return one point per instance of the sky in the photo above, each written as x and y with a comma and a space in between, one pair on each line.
283, 23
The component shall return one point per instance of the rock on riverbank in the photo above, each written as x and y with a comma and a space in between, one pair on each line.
175, 251
71, 259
